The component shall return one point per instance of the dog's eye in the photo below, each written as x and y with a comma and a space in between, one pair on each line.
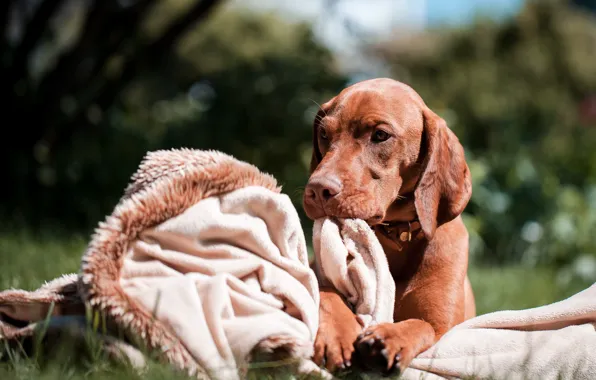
323, 133
379, 136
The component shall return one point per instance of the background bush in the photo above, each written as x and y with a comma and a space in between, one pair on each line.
91, 86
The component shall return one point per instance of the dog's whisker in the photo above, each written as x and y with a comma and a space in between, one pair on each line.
318, 105
318, 118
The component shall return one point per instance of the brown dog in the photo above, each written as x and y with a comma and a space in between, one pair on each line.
380, 154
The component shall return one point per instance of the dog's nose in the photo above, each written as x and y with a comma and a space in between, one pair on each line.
322, 189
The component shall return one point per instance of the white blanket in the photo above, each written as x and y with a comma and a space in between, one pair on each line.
349, 257
556, 341
221, 275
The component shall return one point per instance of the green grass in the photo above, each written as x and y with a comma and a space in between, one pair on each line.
27, 260
514, 288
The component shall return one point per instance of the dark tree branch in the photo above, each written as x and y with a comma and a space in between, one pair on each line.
122, 28
150, 55
33, 32
47, 95
84, 63
93, 30
129, 21
195, 15
5, 9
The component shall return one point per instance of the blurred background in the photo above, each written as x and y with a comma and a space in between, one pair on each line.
91, 86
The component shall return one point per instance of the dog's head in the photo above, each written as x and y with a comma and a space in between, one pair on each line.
376, 141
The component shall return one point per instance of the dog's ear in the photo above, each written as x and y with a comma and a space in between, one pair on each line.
445, 186
317, 157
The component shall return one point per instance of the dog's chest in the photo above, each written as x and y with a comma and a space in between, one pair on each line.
403, 259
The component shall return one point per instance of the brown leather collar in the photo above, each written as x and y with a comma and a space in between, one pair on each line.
402, 233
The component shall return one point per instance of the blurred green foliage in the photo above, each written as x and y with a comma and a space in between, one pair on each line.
513, 94
243, 83
516, 93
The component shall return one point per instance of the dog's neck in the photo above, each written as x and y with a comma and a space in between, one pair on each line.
401, 224
400, 235
403, 208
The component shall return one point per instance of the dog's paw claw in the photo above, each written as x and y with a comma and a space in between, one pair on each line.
377, 354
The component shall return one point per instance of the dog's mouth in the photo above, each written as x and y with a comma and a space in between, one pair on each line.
369, 212
318, 213
371, 221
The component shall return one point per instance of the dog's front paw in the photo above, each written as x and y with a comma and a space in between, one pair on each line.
334, 349
380, 348
338, 329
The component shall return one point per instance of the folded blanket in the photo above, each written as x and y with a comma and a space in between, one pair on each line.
556, 341
203, 263
202, 259
349, 257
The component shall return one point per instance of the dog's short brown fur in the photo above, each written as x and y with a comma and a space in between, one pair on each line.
380, 154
